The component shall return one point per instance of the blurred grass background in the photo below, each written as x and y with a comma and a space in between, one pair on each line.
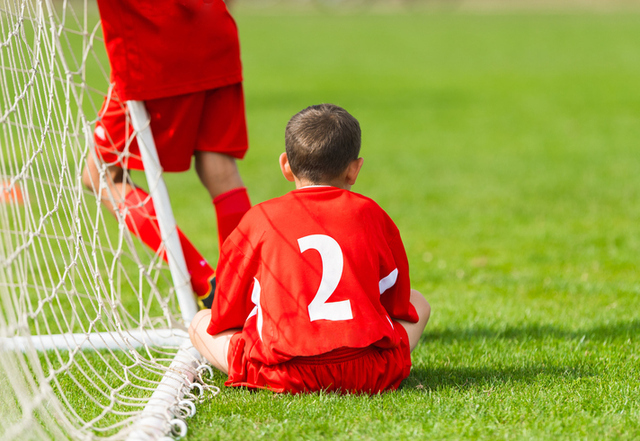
504, 145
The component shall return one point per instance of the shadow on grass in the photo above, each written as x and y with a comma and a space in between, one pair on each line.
528, 332
459, 378
485, 377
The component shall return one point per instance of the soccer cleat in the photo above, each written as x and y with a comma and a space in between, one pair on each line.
206, 300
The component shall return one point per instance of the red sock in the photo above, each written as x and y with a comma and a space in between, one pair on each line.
230, 207
143, 223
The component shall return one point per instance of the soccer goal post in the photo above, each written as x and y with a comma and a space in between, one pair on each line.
93, 341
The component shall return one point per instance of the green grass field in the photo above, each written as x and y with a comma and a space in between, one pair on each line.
505, 148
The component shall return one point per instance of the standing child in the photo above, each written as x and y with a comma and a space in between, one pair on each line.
182, 58
313, 287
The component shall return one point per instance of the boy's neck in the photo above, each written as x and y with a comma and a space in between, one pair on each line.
338, 183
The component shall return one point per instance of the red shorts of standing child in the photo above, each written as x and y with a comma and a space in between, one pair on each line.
212, 121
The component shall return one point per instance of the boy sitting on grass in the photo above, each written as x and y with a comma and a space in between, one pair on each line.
313, 287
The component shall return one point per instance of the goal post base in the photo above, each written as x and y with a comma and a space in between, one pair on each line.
165, 409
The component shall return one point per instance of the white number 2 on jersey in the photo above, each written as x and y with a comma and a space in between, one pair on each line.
332, 265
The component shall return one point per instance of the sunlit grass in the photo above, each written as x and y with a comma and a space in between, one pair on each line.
504, 146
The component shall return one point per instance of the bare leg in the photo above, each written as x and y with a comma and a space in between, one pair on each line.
120, 192
117, 186
218, 172
415, 330
214, 348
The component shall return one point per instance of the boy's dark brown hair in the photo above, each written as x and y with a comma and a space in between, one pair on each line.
321, 141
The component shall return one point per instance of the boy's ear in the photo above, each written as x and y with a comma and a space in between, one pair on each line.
285, 168
353, 170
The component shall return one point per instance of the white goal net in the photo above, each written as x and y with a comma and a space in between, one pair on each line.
92, 338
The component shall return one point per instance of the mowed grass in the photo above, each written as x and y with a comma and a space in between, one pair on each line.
505, 148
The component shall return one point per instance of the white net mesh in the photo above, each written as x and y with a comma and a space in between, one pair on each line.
89, 324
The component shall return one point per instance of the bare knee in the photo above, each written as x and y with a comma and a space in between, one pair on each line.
89, 177
92, 172
423, 308
113, 187
214, 348
198, 324
415, 330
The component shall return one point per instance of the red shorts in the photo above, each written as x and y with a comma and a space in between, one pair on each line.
346, 370
212, 120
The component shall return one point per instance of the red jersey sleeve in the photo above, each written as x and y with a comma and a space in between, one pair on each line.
395, 287
235, 273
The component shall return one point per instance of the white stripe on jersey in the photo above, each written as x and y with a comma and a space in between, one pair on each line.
255, 298
389, 281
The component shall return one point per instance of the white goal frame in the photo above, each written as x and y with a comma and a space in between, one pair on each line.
182, 370
172, 400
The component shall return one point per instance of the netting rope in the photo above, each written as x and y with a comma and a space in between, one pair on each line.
93, 338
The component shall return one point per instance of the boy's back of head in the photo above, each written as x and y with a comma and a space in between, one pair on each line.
321, 141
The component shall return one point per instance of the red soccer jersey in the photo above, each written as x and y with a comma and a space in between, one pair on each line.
161, 48
318, 269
